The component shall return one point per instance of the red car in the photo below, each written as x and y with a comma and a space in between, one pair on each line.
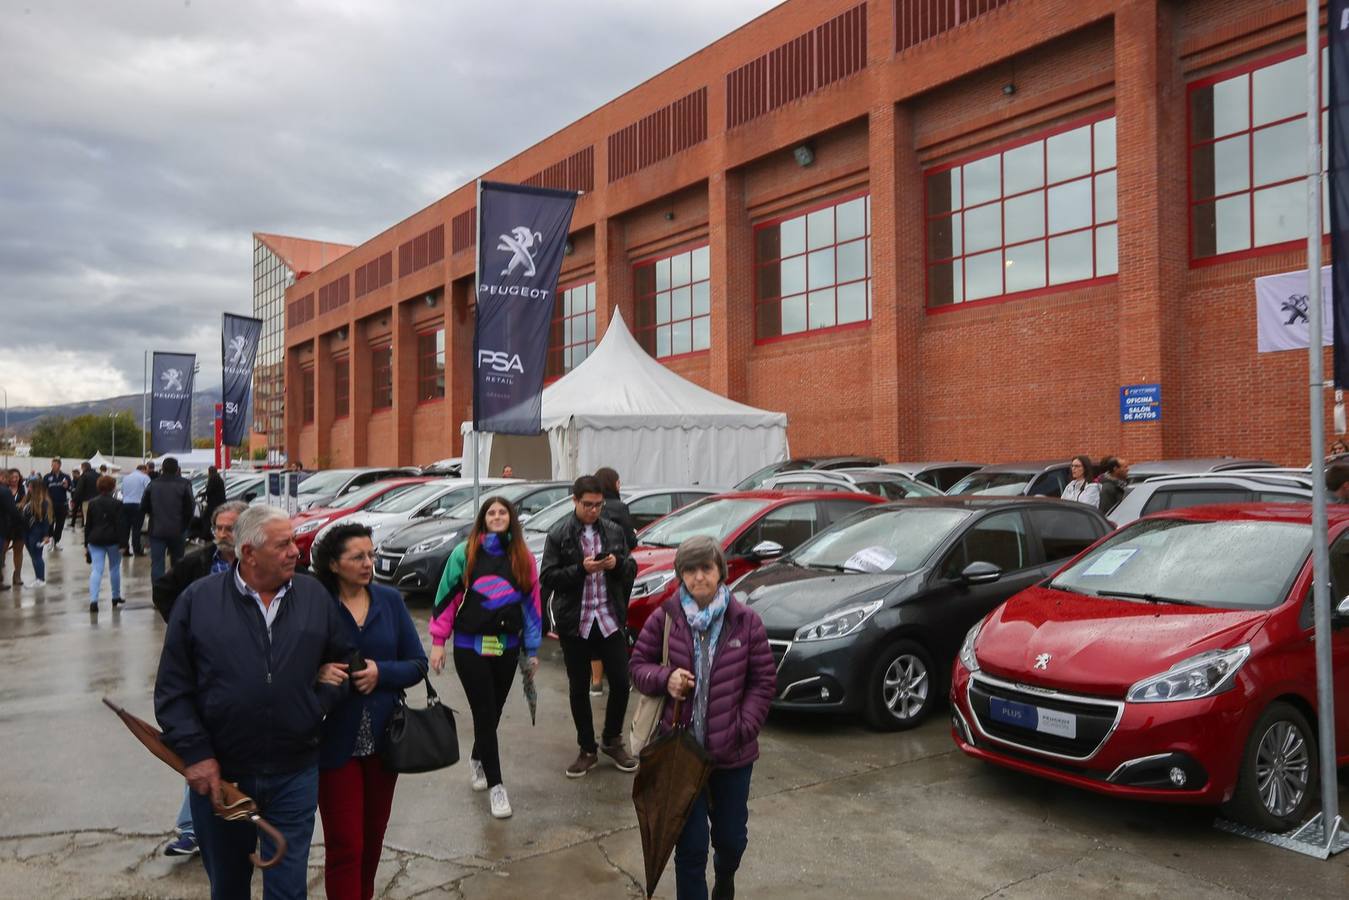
752, 526
308, 523
1171, 661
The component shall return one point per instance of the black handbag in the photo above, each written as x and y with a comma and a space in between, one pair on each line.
420, 740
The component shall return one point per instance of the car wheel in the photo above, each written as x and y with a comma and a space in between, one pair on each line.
902, 688
1276, 786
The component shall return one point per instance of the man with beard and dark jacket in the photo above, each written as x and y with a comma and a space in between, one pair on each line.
587, 566
1113, 481
168, 503
239, 698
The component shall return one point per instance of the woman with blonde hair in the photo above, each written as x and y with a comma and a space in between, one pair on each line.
39, 518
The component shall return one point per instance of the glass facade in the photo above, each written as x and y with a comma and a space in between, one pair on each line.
271, 277
431, 365
673, 296
572, 337
813, 270
1038, 214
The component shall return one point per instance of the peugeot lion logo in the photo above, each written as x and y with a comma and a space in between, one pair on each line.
238, 345
1042, 661
173, 379
520, 242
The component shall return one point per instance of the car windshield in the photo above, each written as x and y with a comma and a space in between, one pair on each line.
357, 498
550, 515
715, 518
330, 481
1002, 484
898, 488
886, 540
511, 492
756, 480
1230, 564
405, 501
238, 486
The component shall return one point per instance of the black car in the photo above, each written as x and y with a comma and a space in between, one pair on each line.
868, 615
413, 558
1032, 479
801, 464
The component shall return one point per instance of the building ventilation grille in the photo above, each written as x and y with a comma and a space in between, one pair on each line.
300, 311
919, 20
820, 57
334, 294
422, 251
665, 132
464, 230
375, 274
575, 173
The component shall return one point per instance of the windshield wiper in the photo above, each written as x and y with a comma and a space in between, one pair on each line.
1147, 596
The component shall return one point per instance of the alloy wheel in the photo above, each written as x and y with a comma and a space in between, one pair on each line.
1282, 768
905, 686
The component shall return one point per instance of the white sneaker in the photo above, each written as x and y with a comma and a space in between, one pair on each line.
39, 583
501, 804
477, 778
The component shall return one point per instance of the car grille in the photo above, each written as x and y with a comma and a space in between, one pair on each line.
779, 649
386, 564
1096, 718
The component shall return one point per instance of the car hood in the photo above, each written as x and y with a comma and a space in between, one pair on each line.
419, 531
1100, 645
653, 557
787, 597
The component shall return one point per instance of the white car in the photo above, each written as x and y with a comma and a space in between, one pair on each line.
388, 514
1181, 491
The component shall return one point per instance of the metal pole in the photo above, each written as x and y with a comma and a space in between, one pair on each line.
112, 417
477, 277
1325, 696
6, 435
145, 401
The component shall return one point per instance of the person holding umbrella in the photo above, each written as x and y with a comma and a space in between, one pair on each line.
355, 789
488, 600
721, 670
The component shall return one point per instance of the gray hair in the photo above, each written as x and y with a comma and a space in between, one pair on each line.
229, 506
698, 551
253, 522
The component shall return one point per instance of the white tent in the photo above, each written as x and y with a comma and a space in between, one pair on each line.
623, 409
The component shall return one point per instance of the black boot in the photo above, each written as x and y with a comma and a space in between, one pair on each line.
724, 888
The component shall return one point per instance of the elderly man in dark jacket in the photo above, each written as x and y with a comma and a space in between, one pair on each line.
239, 700
168, 503
587, 566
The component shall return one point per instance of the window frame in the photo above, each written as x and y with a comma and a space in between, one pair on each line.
637, 298
562, 320
1247, 69
999, 150
867, 279
425, 376
384, 351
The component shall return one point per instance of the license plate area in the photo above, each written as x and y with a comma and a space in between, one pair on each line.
1032, 718
385, 566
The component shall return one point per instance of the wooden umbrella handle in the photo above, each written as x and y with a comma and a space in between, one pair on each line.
280, 842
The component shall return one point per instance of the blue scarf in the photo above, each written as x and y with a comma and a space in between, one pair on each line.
706, 624
493, 543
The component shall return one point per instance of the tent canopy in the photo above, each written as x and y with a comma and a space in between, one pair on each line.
621, 408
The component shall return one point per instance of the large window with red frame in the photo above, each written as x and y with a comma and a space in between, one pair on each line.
1034, 215
307, 395
572, 337
381, 378
673, 296
341, 388
431, 365
813, 269
1248, 157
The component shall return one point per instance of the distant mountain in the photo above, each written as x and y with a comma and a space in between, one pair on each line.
23, 418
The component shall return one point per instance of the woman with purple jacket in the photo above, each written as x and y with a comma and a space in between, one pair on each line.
722, 668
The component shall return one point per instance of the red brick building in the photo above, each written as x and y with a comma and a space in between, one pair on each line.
921, 228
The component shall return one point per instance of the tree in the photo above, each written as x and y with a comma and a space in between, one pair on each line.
83, 436
50, 435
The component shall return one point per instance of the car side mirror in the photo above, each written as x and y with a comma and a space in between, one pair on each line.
525, 517
1343, 608
766, 550
980, 573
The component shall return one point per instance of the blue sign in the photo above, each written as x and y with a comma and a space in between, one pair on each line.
1140, 403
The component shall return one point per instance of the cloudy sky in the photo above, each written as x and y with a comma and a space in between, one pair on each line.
143, 141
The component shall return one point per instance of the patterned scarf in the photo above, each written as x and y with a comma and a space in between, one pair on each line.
706, 624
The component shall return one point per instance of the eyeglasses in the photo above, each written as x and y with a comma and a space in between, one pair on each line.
359, 557
596, 505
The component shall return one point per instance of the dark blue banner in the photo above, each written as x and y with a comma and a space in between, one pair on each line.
522, 235
1338, 136
171, 402
238, 349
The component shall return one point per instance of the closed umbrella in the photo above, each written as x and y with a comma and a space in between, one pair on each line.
674, 770
236, 805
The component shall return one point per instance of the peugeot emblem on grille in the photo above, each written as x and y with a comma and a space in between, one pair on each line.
1042, 661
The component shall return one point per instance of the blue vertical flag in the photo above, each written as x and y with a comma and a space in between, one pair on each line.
522, 236
1338, 136
238, 349
171, 402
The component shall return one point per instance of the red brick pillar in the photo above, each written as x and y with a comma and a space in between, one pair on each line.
731, 265
323, 398
459, 321
360, 392
294, 402
404, 381
613, 275
1153, 246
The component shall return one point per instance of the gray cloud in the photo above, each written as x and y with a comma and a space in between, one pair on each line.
143, 142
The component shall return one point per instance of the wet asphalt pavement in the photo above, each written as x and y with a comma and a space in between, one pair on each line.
836, 810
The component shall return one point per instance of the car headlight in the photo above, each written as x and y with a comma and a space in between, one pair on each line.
966, 655
429, 544
309, 527
839, 624
652, 583
1199, 676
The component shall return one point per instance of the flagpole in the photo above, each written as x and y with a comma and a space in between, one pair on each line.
1325, 697
145, 401
477, 280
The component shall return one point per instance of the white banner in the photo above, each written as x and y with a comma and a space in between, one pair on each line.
1281, 311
